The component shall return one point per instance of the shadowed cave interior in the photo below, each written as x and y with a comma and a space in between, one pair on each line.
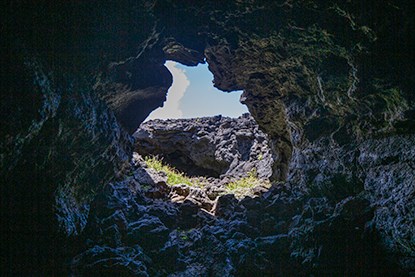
329, 88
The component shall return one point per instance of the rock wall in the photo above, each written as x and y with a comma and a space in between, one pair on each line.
60, 142
322, 98
330, 82
209, 146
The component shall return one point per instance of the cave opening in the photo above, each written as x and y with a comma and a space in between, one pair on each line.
205, 139
192, 95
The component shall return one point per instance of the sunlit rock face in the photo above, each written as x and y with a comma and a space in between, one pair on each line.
208, 146
329, 82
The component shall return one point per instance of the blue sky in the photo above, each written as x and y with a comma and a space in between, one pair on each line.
193, 95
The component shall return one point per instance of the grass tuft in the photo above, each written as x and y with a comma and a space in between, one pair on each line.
239, 188
174, 177
243, 186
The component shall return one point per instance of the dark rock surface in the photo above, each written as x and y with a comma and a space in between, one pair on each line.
278, 233
210, 146
330, 82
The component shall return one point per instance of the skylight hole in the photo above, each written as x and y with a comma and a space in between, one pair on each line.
193, 95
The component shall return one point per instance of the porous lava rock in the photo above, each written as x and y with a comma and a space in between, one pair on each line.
330, 82
208, 146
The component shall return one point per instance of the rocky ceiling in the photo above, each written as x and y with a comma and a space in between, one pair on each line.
330, 82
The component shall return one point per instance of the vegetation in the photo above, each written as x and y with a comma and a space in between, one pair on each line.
174, 177
244, 185
239, 188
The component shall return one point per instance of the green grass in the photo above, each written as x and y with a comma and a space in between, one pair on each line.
243, 186
250, 181
239, 188
174, 177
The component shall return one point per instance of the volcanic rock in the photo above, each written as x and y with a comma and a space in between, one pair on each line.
329, 82
211, 146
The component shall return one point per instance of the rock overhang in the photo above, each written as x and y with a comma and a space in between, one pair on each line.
300, 93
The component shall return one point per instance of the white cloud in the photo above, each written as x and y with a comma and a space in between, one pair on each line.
176, 92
